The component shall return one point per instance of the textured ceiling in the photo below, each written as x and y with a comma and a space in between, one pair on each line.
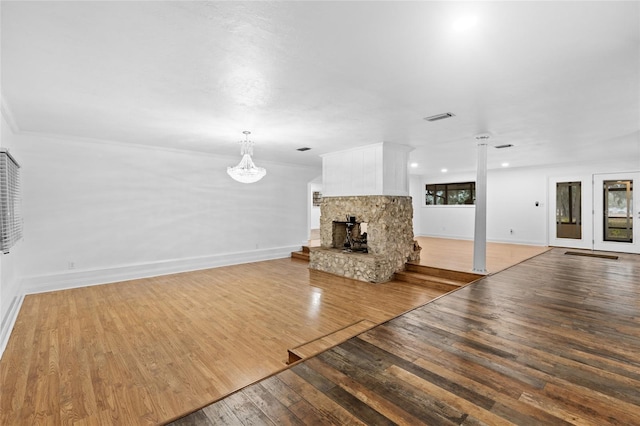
558, 80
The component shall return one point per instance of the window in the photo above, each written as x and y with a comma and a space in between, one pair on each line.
618, 210
568, 214
450, 194
10, 217
317, 198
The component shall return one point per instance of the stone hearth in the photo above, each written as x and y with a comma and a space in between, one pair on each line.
390, 241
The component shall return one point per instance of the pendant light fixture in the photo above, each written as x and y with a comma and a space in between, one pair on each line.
246, 171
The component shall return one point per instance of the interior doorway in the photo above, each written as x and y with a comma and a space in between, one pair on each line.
314, 200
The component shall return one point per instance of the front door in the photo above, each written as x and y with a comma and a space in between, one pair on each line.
616, 209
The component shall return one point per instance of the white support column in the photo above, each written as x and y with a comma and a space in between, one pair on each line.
480, 230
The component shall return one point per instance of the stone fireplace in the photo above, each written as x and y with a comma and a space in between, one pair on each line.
381, 228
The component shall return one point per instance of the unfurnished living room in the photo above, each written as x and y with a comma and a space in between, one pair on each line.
319, 212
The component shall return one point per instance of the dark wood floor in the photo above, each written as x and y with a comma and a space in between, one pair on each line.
553, 340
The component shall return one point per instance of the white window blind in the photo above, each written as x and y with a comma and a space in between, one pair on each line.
10, 199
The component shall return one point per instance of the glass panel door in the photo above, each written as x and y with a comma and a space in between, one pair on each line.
568, 210
616, 212
570, 219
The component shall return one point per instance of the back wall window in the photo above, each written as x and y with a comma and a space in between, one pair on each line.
441, 194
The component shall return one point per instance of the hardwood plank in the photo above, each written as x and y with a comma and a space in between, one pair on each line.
283, 393
462, 404
246, 410
324, 408
353, 405
368, 396
313, 347
367, 370
271, 406
219, 414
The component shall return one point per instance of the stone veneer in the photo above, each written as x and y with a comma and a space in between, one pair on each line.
389, 237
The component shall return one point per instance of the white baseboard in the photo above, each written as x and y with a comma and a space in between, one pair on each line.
454, 237
83, 278
8, 321
446, 236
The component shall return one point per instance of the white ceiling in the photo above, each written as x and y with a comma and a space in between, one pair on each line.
558, 80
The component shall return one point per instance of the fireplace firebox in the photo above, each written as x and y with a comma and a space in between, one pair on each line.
350, 235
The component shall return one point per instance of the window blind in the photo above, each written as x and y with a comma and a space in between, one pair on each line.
10, 200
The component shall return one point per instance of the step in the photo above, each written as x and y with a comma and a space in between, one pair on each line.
465, 277
322, 343
300, 255
430, 281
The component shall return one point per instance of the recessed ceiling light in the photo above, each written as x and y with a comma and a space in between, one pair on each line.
465, 23
505, 164
444, 170
414, 165
303, 149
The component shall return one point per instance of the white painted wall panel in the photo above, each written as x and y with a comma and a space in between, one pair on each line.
396, 159
512, 215
95, 206
378, 169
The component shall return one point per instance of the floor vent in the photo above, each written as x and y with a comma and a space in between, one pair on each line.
602, 256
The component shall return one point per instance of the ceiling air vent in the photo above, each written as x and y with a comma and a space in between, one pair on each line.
506, 145
303, 149
440, 116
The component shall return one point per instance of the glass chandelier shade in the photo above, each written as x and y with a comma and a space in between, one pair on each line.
246, 171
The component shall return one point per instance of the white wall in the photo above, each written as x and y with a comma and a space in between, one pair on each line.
512, 215
10, 294
101, 212
416, 191
377, 169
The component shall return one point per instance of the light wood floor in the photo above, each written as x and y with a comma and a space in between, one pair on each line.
554, 340
148, 351
458, 254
